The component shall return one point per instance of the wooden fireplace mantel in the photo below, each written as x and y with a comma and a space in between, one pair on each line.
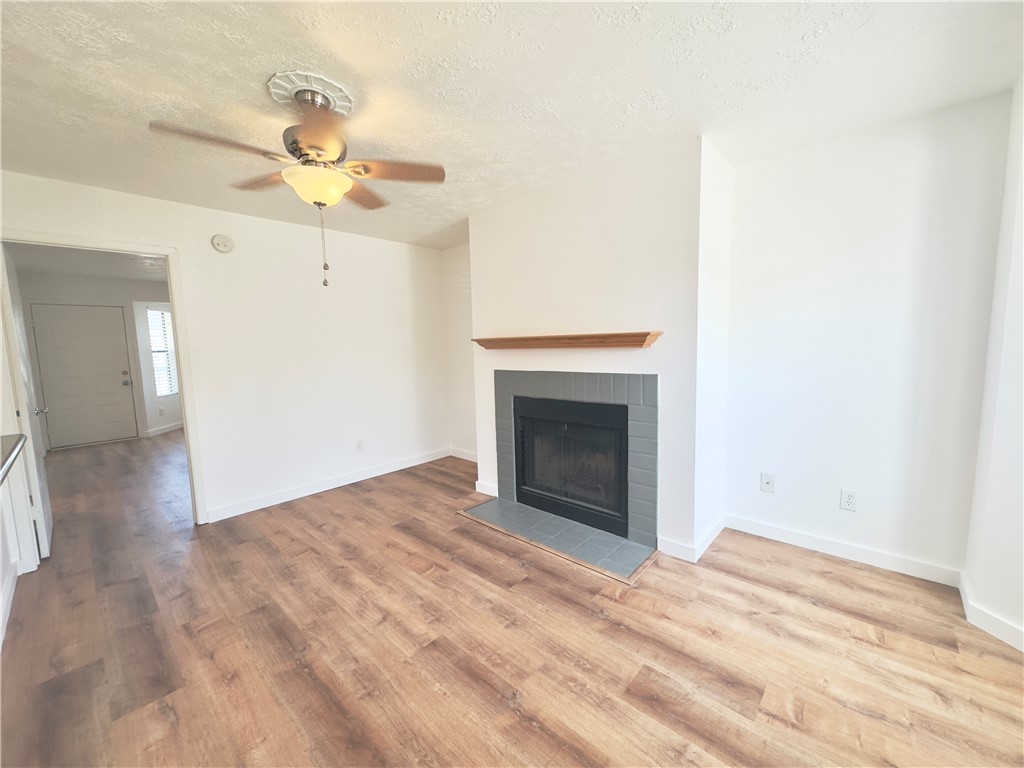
633, 340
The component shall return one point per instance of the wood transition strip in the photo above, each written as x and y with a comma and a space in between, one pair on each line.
634, 340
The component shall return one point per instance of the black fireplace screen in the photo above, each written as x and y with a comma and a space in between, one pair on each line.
571, 460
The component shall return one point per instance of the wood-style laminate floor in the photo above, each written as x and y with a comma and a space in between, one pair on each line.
371, 625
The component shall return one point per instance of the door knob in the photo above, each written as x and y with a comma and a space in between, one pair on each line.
42, 410
124, 373
126, 382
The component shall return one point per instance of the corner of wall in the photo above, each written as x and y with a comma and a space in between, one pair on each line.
490, 489
714, 256
678, 549
992, 563
986, 620
692, 553
457, 321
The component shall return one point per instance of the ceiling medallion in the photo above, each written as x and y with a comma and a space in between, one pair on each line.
284, 85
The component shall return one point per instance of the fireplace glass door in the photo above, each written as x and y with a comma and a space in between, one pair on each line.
571, 460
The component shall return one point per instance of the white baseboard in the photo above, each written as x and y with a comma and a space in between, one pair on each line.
232, 510
691, 553
705, 541
488, 488
458, 453
677, 549
8, 598
161, 430
988, 621
855, 552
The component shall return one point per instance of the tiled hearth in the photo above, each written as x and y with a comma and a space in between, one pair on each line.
589, 546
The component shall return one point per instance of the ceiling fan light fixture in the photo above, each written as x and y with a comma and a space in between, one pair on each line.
317, 184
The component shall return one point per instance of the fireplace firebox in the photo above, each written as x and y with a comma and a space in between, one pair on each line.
571, 460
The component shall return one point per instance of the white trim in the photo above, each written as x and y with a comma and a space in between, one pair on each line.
83, 243
185, 389
8, 599
857, 553
176, 291
161, 430
309, 489
458, 453
987, 621
689, 552
677, 549
15, 340
709, 537
488, 488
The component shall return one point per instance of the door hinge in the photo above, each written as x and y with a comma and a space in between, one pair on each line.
31, 501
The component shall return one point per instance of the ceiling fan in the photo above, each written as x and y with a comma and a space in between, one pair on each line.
319, 169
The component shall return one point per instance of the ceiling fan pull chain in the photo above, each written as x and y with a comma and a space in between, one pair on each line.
323, 239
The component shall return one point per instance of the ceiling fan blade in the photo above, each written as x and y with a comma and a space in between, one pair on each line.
363, 196
384, 169
259, 183
219, 141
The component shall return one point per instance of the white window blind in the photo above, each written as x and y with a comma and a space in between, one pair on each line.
161, 342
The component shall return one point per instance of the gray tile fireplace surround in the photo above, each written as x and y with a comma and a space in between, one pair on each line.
638, 391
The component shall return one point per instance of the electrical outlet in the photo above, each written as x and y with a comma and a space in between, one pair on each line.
767, 483
848, 500
359, 446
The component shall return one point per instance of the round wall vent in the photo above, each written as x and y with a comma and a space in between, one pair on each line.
284, 85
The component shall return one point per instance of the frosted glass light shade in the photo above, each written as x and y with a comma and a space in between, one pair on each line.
317, 184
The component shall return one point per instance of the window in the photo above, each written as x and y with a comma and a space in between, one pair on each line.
161, 342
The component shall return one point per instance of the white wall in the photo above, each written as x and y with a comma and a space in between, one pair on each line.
458, 334
600, 253
50, 288
281, 376
717, 179
993, 576
163, 413
861, 288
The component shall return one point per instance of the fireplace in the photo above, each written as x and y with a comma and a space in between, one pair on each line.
572, 460
638, 393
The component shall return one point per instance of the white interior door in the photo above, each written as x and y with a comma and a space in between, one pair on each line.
20, 518
84, 373
20, 385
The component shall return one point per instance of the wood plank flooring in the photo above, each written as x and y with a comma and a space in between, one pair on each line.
372, 625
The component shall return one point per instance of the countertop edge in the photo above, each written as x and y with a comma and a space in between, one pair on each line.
11, 447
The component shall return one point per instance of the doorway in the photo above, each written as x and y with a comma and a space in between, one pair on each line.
86, 354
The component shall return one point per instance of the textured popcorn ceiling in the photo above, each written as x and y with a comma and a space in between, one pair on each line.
507, 96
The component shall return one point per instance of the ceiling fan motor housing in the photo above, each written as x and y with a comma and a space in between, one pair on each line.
307, 149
